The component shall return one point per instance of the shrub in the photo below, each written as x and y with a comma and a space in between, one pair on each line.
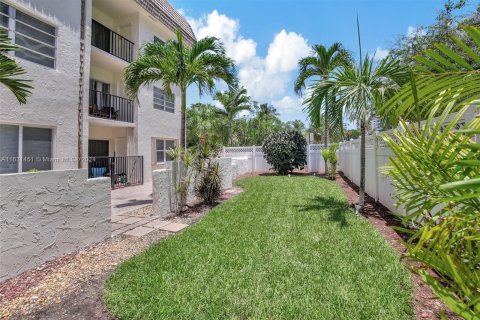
285, 151
330, 155
208, 185
181, 176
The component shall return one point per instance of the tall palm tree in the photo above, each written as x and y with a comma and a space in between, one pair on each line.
319, 65
362, 89
233, 102
176, 64
10, 70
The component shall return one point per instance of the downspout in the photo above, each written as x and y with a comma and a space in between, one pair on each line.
83, 18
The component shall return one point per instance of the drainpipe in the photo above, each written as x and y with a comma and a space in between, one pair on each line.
83, 18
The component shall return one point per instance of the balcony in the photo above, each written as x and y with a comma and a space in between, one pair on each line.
111, 42
107, 106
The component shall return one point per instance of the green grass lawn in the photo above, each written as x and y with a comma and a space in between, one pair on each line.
286, 248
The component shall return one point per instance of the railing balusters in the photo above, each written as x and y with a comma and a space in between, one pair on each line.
108, 106
111, 42
123, 171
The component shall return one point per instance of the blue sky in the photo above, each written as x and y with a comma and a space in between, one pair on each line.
267, 37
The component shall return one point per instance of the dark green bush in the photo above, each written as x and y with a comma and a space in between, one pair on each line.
285, 151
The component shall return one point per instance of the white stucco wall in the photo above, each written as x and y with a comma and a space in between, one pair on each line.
150, 123
47, 214
54, 99
153, 123
226, 172
242, 166
161, 183
160, 194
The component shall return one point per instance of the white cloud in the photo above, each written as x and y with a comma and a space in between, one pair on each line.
285, 51
226, 29
411, 31
265, 78
268, 78
182, 12
381, 53
289, 103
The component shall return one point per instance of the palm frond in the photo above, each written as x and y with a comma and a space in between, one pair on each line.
440, 76
10, 71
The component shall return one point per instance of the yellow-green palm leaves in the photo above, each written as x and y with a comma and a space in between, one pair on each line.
439, 77
175, 64
436, 172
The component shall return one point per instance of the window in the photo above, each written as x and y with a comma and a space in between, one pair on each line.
35, 151
161, 148
163, 101
8, 148
157, 39
35, 38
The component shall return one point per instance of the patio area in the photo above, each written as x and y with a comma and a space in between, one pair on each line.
128, 199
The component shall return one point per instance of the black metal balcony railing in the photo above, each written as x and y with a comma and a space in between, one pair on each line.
127, 170
111, 42
108, 106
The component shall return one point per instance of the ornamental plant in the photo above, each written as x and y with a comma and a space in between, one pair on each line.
436, 173
208, 181
285, 151
181, 176
330, 156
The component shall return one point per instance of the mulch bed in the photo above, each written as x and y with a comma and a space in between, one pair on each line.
427, 305
71, 286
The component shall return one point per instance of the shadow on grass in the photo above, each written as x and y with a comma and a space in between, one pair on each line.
336, 209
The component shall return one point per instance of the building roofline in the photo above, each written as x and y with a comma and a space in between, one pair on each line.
163, 11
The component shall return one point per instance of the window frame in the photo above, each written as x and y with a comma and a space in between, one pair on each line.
158, 40
12, 34
20, 144
163, 150
161, 103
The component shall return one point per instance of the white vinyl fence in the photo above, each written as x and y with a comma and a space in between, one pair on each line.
250, 159
377, 155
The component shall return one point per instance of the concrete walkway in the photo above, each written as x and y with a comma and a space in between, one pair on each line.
126, 202
140, 226
131, 198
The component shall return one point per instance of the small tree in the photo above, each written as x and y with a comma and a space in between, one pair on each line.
330, 156
181, 177
285, 151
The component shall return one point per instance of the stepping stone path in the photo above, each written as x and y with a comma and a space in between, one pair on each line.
140, 226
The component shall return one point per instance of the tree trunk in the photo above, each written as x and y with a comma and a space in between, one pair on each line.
325, 134
83, 17
183, 111
361, 199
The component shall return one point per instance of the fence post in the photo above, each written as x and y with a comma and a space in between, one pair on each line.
254, 159
308, 159
375, 159
223, 152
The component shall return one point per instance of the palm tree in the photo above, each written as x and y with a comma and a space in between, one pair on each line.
319, 65
10, 70
233, 102
178, 65
265, 110
362, 89
436, 169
